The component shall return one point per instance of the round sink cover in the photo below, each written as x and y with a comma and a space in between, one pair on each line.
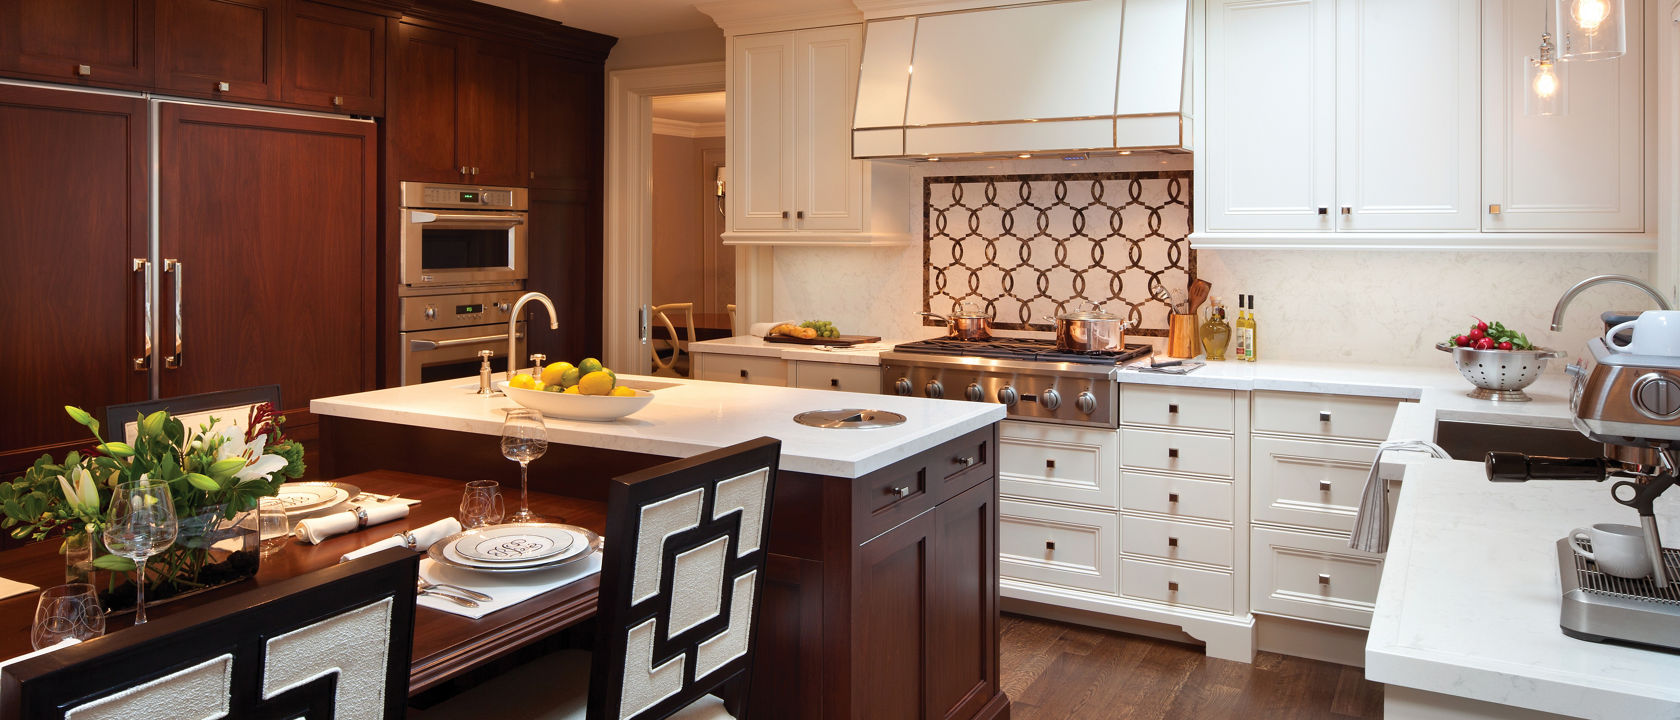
849, 418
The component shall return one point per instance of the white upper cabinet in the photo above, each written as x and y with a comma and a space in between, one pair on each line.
1406, 115
1271, 122
792, 176
1582, 169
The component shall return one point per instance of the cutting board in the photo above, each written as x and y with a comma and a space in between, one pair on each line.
841, 341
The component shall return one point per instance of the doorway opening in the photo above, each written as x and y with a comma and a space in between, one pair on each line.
692, 287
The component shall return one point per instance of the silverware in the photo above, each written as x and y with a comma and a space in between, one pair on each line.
474, 594
457, 599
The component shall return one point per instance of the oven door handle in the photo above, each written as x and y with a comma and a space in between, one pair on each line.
422, 216
424, 345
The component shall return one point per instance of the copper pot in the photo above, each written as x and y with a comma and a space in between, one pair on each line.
1090, 330
967, 323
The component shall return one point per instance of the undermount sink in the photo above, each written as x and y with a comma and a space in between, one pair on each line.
1473, 441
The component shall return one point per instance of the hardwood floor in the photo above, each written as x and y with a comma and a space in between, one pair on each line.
1055, 671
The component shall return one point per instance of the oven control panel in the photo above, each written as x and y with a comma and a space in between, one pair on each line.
469, 197
430, 312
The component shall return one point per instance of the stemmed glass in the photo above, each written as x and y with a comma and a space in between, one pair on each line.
524, 438
141, 523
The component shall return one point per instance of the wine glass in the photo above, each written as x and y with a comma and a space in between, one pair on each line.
141, 523
481, 504
524, 438
67, 611
274, 529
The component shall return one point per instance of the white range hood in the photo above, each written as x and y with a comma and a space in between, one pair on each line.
1068, 76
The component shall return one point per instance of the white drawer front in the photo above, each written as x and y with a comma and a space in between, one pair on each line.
1197, 408
1059, 546
1206, 589
1342, 416
1307, 483
1051, 462
835, 376
1313, 577
1179, 452
1176, 541
1169, 495
722, 367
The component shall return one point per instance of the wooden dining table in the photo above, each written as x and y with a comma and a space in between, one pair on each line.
445, 644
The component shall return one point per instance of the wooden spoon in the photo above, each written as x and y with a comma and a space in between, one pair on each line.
1198, 294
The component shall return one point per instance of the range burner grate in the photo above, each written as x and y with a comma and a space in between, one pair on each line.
1020, 349
1593, 581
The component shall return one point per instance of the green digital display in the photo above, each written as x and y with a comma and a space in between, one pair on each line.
469, 309
469, 197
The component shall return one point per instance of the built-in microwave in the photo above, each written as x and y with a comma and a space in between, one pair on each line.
462, 235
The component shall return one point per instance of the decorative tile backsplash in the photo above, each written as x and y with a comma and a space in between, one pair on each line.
1029, 246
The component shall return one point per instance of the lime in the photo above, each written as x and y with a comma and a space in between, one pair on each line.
589, 365
569, 377
551, 375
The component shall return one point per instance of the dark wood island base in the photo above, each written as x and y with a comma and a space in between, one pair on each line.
880, 599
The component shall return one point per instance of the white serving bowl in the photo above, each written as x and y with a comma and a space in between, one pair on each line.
595, 408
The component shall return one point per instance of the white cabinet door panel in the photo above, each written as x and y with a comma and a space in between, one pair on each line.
828, 183
761, 117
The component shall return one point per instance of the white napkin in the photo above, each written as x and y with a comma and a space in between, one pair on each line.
10, 588
423, 538
314, 530
508, 589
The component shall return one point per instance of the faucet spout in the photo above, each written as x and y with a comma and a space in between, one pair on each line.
1569, 295
513, 325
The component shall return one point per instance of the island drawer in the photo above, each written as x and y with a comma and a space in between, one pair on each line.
1197, 408
1313, 577
1177, 452
1178, 585
1059, 546
754, 369
903, 490
1040, 461
1341, 416
1176, 496
1169, 540
1314, 484
834, 376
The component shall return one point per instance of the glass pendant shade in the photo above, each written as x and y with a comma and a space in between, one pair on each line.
1544, 87
1591, 29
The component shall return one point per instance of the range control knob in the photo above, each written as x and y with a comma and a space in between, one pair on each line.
902, 386
431, 313
974, 392
1086, 402
1050, 399
1008, 396
934, 389
1657, 395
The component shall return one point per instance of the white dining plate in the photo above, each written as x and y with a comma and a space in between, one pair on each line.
515, 543
584, 544
307, 497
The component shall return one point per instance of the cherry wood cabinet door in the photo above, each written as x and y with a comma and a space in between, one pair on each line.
492, 129
565, 169
423, 97
335, 59
73, 207
91, 42
962, 671
566, 106
272, 218
890, 607
219, 48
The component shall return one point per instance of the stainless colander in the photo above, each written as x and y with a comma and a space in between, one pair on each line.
1500, 374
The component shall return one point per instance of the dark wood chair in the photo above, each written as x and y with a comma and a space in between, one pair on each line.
681, 580
227, 405
334, 643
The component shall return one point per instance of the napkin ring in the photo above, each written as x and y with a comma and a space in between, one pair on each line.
361, 517
407, 539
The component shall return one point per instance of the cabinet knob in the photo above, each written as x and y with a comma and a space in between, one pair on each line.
963, 460
1495, 209
1049, 544
1324, 416
1172, 409
784, 214
899, 491
475, 170
1172, 542
1172, 453
222, 87
1050, 464
1324, 486
834, 382
1322, 210
743, 372
463, 169
800, 215
1172, 586
338, 101
84, 70
1172, 497
1347, 210
1324, 579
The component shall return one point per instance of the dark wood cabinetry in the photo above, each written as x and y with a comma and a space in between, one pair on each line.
335, 59
566, 117
92, 42
73, 205
457, 110
219, 48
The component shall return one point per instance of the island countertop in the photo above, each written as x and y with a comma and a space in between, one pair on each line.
688, 417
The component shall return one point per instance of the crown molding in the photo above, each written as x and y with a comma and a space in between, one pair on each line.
496, 23
684, 128
745, 17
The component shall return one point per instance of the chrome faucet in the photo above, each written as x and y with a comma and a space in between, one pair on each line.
513, 324
1569, 296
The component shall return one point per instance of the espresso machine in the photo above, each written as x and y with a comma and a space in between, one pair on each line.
1631, 403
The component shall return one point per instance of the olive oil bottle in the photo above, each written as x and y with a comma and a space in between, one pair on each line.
1239, 330
1252, 347
1216, 333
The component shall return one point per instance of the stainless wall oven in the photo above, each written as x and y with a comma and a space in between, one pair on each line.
442, 334
461, 235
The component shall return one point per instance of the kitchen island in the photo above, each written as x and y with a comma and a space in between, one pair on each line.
880, 596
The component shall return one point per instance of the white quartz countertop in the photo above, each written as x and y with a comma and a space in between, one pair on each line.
863, 354
688, 417
1469, 601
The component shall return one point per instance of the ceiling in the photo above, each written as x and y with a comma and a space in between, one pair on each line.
619, 18
695, 108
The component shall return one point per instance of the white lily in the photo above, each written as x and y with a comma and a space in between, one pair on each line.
83, 495
257, 464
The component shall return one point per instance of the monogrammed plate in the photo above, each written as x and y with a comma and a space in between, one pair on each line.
514, 543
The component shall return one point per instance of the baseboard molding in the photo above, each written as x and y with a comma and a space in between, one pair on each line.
1315, 641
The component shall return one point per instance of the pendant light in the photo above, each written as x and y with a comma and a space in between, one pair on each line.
1591, 29
1543, 88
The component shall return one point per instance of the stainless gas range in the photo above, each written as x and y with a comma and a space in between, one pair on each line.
1031, 377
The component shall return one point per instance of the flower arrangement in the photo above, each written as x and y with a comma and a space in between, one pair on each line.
214, 473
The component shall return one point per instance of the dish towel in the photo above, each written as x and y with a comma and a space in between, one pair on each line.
1370, 523
315, 529
508, 589
417, 539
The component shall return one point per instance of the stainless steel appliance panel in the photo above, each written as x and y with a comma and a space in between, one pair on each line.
462, 235
430, 312
1030, 393
447, 353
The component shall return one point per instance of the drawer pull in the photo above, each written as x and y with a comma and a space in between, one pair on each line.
1050, 464
1172, 453
834, 382
963, 460
743, 372
1172, 586
1324, 579
1172, 542
222, 87
1324, 486
1172, 409
84, 70
1049, 544
899, 491
1324, 416
1172, 497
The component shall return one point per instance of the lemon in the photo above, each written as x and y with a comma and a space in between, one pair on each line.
552, 374
622, 391
524, 382
589, 365
595, 383
573, 390
569, 377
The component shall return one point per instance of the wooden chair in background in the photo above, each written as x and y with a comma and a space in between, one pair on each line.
673, 360
734, 328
